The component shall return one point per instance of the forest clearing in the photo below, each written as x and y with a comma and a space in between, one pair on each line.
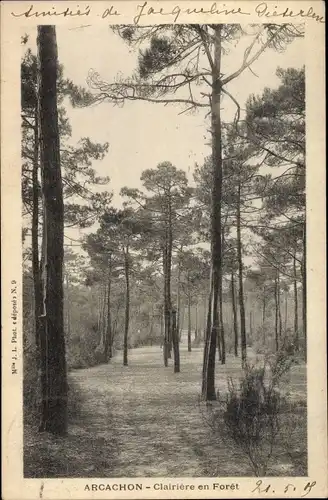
143, 421
164, 288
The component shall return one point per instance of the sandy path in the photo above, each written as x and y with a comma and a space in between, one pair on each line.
152, 412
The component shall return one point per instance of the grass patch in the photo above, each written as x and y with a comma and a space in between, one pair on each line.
82, 453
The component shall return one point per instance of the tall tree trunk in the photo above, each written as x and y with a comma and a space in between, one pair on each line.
196, 322
175, 340
178, 313
234, 311
221, 336
205, 308
182, 321
276, 322
241, 284
296, 334
209, 372
127, 305
189, 320
68, 310
103, 318
304, 295
99, 313
108, 337
263, 311
172, 341
35, 235
207, 334
166, 309
162, 326
286, 312
279, 306
52, 341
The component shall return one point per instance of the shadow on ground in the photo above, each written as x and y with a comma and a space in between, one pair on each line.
145, 421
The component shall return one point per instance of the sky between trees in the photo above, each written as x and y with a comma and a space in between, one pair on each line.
143, 134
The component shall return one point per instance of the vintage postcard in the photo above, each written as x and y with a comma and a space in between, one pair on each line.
163, 249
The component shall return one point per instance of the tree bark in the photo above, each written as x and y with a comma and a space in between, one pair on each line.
221, 341
241, 284
296, 334
169, 270
286, 312
182, 322
263, 310
304, 294
68, 312
166, 309
103, 318
52, 341
234, 312
189, 321
209, 392
207, 336
35, 236
178, 298
196, 322
175, 340
279, 306
276, 323
108, 337
127, 305
205, 308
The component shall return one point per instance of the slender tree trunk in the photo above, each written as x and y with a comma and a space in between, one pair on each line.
103, 322
178, 297
296, 334
166, 308
175, 339
35, 236
234, 311
241, 284
209, 392
68, 311
207, 335
169, 270
196, 322
52, 341
162, 326
263, 313
279, 306
99, 313
108, 337
205, 308
127, 305
189, 321
286, 312
181, 322
276, 322
304, 295
221, 336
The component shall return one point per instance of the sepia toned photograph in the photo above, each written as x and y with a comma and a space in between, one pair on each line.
163, 178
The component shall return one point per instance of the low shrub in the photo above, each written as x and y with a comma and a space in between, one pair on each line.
254, 408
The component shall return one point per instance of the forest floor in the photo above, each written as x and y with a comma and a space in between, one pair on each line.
145, 421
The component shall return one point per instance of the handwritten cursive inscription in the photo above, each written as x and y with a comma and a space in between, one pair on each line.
30, 12
263, 488
262, 10
172, 14
145, 11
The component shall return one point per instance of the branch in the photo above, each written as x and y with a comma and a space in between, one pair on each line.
245, 63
